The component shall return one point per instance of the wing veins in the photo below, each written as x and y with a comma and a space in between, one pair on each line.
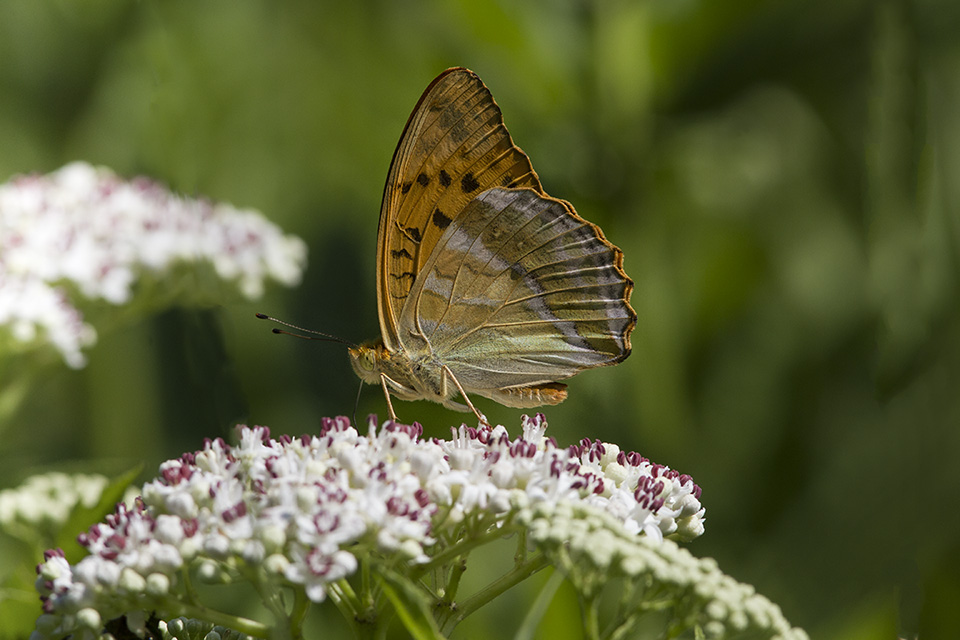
500, 307
463, 260
553, 291
528, 323
552, 222
485, 265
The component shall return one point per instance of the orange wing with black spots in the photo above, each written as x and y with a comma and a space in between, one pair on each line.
453, 148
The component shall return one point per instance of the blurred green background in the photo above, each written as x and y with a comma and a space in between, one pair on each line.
781, 177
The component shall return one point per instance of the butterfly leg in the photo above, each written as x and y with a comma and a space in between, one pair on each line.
482, 418
386, 394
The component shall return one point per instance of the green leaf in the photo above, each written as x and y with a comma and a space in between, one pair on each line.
412, 605
81, 518
538, 610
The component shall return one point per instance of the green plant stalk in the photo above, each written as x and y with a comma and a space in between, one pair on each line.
591, 618
520, 556
301, 604
365, 601
345, 600
269, 594
510, 579
456, 572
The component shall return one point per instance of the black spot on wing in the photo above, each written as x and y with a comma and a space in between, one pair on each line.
405, 187
468, 183
445, 179
412, 233
402, 276
402, 253
440, 220
423, 180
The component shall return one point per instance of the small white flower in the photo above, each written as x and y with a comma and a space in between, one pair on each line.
169, 529
217, 545
158, 584
88, 618
276, 564
131, 581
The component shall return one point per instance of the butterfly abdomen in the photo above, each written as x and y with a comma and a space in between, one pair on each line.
535, 396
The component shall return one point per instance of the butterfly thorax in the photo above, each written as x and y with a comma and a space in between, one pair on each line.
408, 376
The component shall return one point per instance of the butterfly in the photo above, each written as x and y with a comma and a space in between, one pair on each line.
486, 285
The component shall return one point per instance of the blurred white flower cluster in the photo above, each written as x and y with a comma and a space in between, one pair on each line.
305, 512
82, 231
48, 499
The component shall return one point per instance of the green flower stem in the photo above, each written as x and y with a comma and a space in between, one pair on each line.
365, 602
345, 600
626, 628
349, 597
450, 591
301, 604
521, 554
591, 618
269, 595
189, 590
510, 579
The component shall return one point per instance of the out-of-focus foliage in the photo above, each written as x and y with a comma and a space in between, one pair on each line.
779, 175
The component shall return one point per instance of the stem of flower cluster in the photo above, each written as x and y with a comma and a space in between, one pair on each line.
345, 600
513, 577
273, 600
456, 572
591, 618
301, 604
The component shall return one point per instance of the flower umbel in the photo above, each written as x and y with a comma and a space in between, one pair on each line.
81, 235
305, 514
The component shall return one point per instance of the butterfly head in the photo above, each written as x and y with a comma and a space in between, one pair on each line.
365, 360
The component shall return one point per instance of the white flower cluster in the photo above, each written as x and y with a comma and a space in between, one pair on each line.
595, 549
302, 510
48, 499
82, 229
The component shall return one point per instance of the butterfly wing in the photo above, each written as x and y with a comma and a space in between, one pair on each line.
521, 291
453, 148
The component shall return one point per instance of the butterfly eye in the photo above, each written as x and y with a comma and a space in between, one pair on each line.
367, 360
363, 359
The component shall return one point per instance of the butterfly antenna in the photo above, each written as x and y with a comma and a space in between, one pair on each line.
324, 336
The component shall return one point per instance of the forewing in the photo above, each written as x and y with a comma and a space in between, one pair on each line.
521, 290
453, 148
